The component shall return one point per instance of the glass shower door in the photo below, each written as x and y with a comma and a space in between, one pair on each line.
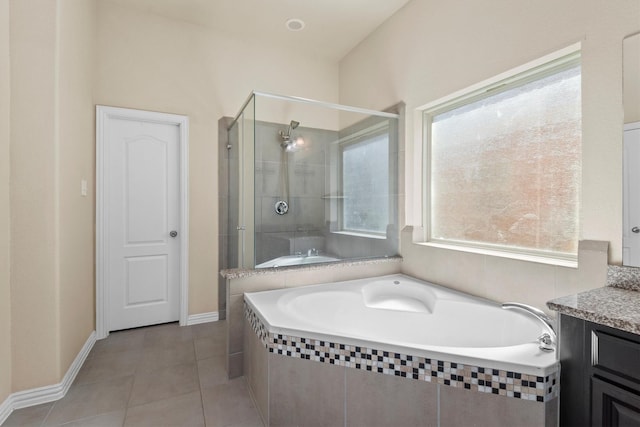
241, 188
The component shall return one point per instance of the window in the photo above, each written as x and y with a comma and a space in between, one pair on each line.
504, 163
365, 183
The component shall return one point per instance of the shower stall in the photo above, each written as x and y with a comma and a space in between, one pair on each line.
307, 182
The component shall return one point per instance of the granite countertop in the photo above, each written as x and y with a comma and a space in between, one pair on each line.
616, 305
238, 273
609, 306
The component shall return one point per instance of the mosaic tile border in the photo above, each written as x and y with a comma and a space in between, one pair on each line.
474, 378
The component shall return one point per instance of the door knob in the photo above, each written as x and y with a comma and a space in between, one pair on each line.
173, 233
635, 229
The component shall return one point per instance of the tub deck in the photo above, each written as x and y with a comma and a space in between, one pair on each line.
400, 314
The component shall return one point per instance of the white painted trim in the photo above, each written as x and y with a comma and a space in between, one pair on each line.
572, 51
5, 409
37, 396
522, 256
196, 319
184, 221
102, 232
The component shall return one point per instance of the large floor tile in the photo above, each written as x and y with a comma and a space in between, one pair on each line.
110, 419
119, 341
163, 383
209, 346
88, 400
183, 410
229, 404
151, 376
159, 357
212, 371
211, 329
167, 335
27, 417
101, 368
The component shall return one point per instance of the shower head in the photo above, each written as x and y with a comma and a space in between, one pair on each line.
287, 143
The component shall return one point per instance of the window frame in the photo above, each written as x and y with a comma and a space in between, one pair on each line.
548, 65
361, 137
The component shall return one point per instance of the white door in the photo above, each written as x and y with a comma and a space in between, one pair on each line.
631, 196
141, 204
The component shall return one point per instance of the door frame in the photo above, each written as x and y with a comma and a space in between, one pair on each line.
103, 114
626, 196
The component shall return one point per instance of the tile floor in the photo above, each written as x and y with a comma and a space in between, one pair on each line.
162, 375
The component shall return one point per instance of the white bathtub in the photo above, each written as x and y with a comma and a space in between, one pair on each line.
404, 315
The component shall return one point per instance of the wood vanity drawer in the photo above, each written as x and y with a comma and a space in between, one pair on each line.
615, 355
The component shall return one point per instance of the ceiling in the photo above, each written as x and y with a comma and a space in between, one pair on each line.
333, 27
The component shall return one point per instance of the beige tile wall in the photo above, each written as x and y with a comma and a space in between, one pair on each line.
383, 400
460, 407
504, 279
256, 369
294, 391
305, 393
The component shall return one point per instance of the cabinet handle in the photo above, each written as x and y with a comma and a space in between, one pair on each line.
594, 348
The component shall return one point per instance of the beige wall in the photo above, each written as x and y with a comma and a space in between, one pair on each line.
152, 63
76, 58
5, 291
51, 148
432, 48
34, 273
631, 82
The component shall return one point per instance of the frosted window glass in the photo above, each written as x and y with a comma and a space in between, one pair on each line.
365, 184
505, 169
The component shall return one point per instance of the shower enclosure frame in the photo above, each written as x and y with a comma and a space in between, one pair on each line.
246, 149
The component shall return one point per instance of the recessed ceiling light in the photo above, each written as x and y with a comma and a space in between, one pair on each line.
294, 24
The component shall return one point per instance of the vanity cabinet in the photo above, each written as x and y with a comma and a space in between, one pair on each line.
611, 405
600, 375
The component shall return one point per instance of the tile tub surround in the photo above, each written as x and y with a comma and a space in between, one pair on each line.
345, 389
609, 306
474, 378
239, 281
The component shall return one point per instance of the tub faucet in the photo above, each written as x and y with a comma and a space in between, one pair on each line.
312, 252
546, 341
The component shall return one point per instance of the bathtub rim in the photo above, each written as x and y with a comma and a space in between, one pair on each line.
484, 356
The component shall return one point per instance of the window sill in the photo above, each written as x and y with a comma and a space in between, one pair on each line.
354, 234
570, 263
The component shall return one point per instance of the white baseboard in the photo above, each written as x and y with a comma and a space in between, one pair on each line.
36, 396
195, 319
5, 410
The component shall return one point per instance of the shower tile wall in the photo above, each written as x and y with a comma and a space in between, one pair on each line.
227, 200
302, 228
